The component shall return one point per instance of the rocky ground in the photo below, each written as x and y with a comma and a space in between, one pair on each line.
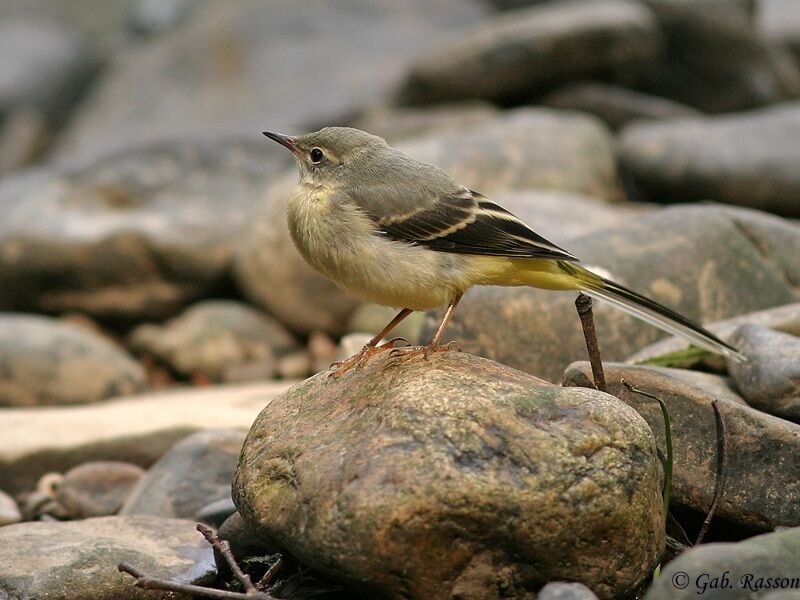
163, 346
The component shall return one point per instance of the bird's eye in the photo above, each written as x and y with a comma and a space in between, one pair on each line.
316, 155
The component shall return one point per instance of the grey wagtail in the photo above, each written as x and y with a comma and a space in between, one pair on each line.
399, 232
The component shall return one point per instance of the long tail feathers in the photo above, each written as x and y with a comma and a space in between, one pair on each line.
651, 312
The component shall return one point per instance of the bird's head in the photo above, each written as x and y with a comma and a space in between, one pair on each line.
329, 154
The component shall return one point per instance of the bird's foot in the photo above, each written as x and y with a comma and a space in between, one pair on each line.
404, 353
358, 360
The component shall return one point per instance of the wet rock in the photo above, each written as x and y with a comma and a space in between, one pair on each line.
9, 511
215, 339
198, 470
431, 478
615, 105
47, 362
397, 123
521, 53
753, 568
44, 66
681, 159
523, 149
136, 235
715, 61
97, 489
243, 63
675, 352
705, 263
769, 380
139, 429
61, 561
763, 475
560, 590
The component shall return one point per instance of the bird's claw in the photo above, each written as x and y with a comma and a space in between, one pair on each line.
360, 359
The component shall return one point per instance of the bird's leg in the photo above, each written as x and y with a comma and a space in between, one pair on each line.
435, 343
371, 348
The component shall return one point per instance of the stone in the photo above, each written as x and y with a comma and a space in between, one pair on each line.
78, 559
769, 380
428, 479
715, 60
133, 236
704, 262
213, 339
9, 511
249, 65
44, 66
23, 137
44, 361
395, 123
216, 512
681, 159
779, 22
524, 149
762, 489
97, 489
243, 540
675, 351
138, 429
616, 106
751, 569
513, 56
560, 590
196, 471
295, 365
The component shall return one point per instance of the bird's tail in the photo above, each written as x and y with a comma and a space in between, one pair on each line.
649, 311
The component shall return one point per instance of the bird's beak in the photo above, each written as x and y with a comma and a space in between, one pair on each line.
284, 140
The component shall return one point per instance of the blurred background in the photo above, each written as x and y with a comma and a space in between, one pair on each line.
142, 233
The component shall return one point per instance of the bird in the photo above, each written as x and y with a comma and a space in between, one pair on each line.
403, 233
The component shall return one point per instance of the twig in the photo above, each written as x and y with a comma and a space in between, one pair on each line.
583, 304
222, 546
268, 577
722, 470
667, 491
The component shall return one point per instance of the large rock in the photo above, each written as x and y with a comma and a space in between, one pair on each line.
249, 65
714, 60
616, 105
521, 53
62, 561
44, 361
704, 262
44, 66
762, 490
769, 380
754, 568
135, 235
552, 151
683, 160
216, 339
454, 477
139, 429
196, 471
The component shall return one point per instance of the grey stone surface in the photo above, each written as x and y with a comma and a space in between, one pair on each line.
196, 471
762, 489
754, 568
699, 159
97, 489
134, 235
770, 380
64, 561
216, 339
252, 64
448, 477
44, 361
514, 55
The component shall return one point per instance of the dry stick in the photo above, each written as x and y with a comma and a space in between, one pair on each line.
722, 470
583, 304
224, 548
268, 577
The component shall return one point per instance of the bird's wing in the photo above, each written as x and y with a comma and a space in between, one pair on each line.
463, 222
